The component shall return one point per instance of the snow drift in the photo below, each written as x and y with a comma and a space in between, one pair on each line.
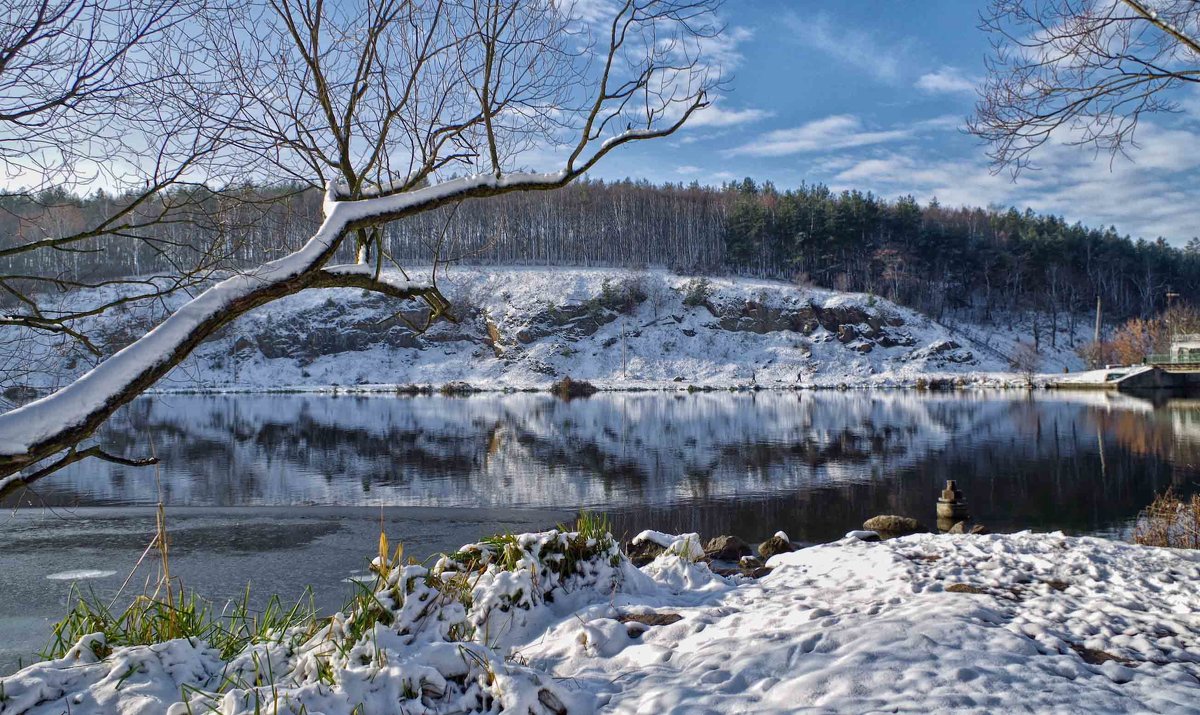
1022, 622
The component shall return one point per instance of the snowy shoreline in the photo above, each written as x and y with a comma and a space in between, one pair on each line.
1023, 622
941, 383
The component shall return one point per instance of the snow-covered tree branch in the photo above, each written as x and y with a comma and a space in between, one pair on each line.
381, 102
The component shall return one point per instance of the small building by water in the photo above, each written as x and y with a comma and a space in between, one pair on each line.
1185, 347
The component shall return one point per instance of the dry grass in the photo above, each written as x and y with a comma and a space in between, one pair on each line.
1170, 521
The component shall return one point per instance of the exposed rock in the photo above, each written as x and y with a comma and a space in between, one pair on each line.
755, 317
862, 347
750, 562
946, 350
1093, 656
643, 552
964, 588
572, 322
638, 623
311, 334
847, 333
759, 572
242, 343
542, 368
891, 525
891, 339
774, 546
980, 530
960, 527
727, 548
834, 317
650, 619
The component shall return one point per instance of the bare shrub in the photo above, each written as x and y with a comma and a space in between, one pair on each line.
1170, 522
569, 389
1026, 360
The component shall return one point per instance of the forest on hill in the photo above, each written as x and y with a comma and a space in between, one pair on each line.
968, 261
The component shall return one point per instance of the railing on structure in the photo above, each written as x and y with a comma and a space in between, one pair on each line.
1168, 360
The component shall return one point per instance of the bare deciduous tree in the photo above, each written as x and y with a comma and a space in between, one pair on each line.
93, 96
381, 103
1083, 72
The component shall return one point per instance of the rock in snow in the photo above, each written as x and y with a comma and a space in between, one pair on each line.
890, 525
777, 544
925, 623
726, 548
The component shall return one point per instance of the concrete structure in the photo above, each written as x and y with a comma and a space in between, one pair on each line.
1183, 377
1185, 348
951, 507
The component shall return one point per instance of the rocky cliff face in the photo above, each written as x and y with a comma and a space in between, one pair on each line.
524, 328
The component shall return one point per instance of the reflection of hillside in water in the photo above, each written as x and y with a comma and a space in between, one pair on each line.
818, 461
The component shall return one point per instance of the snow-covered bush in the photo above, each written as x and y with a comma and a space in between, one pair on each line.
622, 295
696, 291
415, 638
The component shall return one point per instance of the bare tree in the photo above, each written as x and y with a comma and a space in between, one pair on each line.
1082, 72
1026, 360
92, 96
381, 102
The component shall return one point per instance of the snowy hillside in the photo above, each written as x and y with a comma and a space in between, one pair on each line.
526, 328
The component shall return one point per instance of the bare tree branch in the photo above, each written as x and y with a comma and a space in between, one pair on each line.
1081, 72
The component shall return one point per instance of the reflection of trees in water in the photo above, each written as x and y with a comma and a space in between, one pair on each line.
813, 464
1170, 434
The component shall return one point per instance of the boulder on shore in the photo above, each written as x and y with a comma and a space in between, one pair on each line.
777, 544
891, 525
726, 548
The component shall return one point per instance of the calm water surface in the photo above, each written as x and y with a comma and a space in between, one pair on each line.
288, 490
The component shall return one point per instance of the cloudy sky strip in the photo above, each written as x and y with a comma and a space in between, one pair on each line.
874, 96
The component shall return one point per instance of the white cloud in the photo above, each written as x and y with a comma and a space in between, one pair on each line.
717, 116
1150, 194
723, 49
947, 80
840, 131
864, 51
688, 169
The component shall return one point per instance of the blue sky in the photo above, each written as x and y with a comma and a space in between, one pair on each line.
874, 96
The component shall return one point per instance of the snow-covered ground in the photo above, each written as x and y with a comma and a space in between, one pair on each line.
527, 327
1003, 623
